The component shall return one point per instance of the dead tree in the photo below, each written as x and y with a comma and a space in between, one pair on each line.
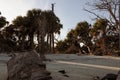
112, 7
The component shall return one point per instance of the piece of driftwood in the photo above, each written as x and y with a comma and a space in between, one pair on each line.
110, 76
118, 77
27, 66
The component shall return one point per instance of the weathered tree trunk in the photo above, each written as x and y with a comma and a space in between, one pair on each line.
27, 66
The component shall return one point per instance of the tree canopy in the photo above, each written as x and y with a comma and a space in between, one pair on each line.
29, 31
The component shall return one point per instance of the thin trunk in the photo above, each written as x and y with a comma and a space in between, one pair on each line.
38, 39
31, 41
119, 24
42, 53
47, 38
41, 46
50, 42
102, 44
53, 43
112, 13
23, 43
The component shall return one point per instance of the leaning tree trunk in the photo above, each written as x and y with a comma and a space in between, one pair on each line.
89, 50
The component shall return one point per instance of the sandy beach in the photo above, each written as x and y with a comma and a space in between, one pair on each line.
76, 67
82, 67
3, 66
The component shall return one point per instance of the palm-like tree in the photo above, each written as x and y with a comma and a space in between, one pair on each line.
27, 26
3, 24
34, 17
10, 37
39, 23
20, 25
53, 27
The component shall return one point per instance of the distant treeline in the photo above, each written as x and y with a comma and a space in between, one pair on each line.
99, 39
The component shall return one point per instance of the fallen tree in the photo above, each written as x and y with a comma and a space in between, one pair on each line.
27, 66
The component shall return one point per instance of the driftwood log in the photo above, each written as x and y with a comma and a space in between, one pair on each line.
109, 76
118, 77
27, 66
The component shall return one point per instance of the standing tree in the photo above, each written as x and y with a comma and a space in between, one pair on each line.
34, 17
9, 35
53, 27
82, 29
76, 36
20, 25
98, 33
3, 24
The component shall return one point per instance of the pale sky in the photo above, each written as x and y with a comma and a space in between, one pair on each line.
70, 12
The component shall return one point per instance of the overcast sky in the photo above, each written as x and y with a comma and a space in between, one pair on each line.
70, 12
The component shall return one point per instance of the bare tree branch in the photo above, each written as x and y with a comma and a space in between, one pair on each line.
93, 13
110, 6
